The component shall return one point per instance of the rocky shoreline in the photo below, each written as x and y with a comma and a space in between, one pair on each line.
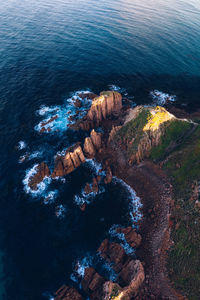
144, 277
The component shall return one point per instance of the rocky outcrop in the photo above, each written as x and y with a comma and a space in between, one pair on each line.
88, 148
130, 272
92, 144
92, 283
106, 104
42, 171
67, 293
132, 237
113, 253
72, 159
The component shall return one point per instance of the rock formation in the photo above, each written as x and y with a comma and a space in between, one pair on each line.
106, 104
67, 293
42, 171
72, 159
113, 253
92, 144
132, 237
92, 284
130, 272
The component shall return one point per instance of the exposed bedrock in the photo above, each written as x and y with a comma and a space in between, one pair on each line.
42, 171
67, 293
92, 144
106, 104
132, 237
130, 275
92, 284
72, 159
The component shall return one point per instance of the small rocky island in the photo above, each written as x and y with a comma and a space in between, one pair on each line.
156, 151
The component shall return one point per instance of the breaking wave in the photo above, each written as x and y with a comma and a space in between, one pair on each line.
135, 204
121, 238
21, 145
160, 98
59, 117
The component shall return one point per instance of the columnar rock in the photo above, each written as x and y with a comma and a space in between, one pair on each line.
42, 171
92, 284
72, 159
88, 148
67, 293
92, 144
106, 104
96, 139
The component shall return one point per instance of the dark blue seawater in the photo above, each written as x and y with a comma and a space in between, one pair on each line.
48, 50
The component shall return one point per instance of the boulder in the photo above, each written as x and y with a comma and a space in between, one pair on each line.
42, 170
67, 293
132, 237
87, 189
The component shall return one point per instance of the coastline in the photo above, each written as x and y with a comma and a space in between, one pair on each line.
155, 191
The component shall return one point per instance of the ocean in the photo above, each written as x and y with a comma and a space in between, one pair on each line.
50, 50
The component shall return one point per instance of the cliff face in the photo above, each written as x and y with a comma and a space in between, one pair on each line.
106, 104
145, 128
72, 159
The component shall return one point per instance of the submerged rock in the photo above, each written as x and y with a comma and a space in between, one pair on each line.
42, 170
67, 293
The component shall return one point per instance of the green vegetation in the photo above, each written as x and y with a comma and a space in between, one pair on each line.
131, 133
183, 166
179, 154
175, 130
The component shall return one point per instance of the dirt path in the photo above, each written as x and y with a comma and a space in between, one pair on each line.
152, 186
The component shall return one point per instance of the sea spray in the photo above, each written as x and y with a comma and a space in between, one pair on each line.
160, 98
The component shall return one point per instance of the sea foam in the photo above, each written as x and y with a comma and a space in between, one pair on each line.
160, 98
